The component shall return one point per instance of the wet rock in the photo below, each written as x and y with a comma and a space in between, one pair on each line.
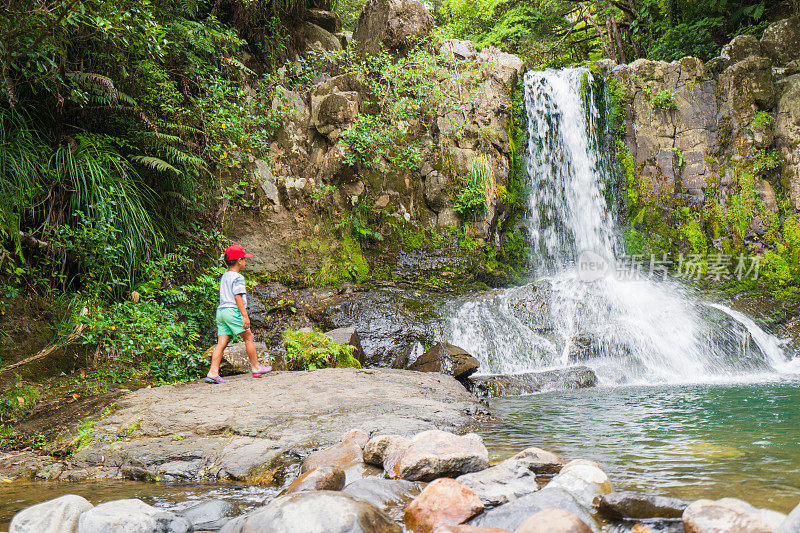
463, 528
131, 516
792, 522
375, 449
321, 478
729, 515
325, 19
781, 40
443, 502
585, 480
359, 436
340, 455
331, 512
210, 515
433, 454
540, 461
348, 336
447, 359
501, 483
59, 515
512, 514
553, 521
394, 24
577, 377
391, 496
625, 504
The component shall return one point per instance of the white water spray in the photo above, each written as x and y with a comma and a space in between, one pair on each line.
628, 331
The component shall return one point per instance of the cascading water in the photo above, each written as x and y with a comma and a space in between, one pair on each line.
639, 330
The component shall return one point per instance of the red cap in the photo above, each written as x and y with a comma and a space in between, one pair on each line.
236, 251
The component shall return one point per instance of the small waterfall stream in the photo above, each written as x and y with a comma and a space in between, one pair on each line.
639, 330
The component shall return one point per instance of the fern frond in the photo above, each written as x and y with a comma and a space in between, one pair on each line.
155, 163
232, 61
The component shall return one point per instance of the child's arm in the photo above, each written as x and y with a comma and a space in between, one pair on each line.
243, 310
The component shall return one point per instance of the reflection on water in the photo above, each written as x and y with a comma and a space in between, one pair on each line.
17, 495
698, 441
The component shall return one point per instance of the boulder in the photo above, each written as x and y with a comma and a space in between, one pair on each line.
461, 49
131, 516
385, 450
313, 37
729, 515
359, 436
540, 461
781, 40
348, 336
433, 454
585, 480
396, 25
792, 522
268, 186
553, 521
501, 483
436, 190
740, 47
210, 514
327, 20
576, 377
748, 84
446, 359
331, 114
505, 68
391, 496
443, 502
321, 478
235, 355
464, 528
341, 455
626, 504
512, 514
331, 512
59, 515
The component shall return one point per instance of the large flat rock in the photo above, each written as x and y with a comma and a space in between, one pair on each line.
199, 431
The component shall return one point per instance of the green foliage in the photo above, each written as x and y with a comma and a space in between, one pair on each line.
763, 119
478, 190
310, 350
17, 401
663, 99
84, 437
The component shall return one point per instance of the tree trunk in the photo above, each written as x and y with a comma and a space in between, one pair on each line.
620, 44
610, 33
608, 50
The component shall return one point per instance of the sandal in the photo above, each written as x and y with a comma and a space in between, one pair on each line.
215, 380
261, 371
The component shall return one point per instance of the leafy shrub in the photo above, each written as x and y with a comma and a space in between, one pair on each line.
480, 186
663, 99
309, 350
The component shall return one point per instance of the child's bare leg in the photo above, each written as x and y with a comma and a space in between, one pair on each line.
250, 346
216, 355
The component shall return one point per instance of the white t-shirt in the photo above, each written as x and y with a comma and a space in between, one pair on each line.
230, 284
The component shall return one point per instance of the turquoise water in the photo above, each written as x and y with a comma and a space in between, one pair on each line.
698, 441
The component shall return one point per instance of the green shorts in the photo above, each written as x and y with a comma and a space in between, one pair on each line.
229, 321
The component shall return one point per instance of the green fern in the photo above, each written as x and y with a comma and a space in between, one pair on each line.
155, 163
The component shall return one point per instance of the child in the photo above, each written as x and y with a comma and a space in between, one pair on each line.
232, 316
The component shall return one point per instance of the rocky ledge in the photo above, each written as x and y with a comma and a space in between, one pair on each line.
253, 429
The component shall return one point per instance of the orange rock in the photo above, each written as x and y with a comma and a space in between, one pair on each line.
469, 529
444, 502
341, 455
322, 478
553, 521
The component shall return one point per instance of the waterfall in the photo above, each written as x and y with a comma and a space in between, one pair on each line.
642, 330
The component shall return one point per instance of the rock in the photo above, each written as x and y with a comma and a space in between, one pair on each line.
395, 24
333, 113
512, 514
436, 191
781, 40
236, 356
501, 483
748, 83
740, 47
433, 454
469, 529
328, 20
358, 436
505, 68
348, 336
585, 480
385, 450
211, 514
340, 455
553, 521
59, 515
131, 516
391, 496
625, 504
443, 502
321, 478
792, 522
331, 512
576, 377
540, 461
447, 359
729, 515
787, 132
313, 37
462, 49
267, 181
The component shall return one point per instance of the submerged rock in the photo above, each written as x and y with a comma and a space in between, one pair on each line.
501, 483
529, 382
433, 454
391, 496
729, 515
131, 516
211, 514
331, 512
585, 480
444, 502
792, 522
59, 515
553, 521
446, 359
321, 478
625, 504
